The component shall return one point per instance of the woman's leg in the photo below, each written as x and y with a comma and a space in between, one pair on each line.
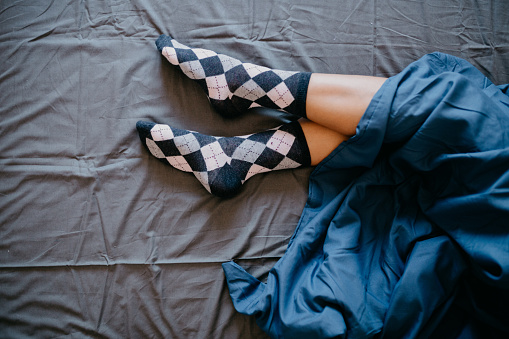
338, 101
334, 105
223, 164
334, 101
321, 140
233, 86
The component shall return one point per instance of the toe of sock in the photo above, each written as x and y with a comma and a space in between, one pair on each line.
144, 128
163, 41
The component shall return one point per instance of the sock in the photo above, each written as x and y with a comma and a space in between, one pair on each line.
233, 86
223, 164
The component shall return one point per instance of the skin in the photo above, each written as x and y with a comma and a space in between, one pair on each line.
335, 104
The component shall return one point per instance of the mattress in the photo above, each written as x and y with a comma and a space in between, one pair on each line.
98, 238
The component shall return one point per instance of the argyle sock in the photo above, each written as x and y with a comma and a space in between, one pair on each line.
223, 164
233, 86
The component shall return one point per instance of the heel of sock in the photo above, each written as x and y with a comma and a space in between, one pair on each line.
226, 183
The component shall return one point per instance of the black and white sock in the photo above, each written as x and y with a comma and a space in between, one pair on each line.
223, 164
233, 86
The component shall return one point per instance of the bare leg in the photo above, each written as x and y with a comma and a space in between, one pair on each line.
334, 105
334, 101
223, 164
321, 140
338, 101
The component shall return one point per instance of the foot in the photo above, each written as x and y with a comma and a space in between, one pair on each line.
233, 86
223, 164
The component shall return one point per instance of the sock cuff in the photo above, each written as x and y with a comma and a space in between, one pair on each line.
303, 143
302, 92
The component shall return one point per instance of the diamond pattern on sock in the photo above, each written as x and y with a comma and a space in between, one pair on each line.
196, 162
212, 66
203, 53
236, 77
223, 164
281, 142
250, 91
203, 178
254, 70
217, 87
255, 169
228, 62
214, 156
281, 95
283, 74
286, 163
179, 162
248, 151
187, 143
177, 44
244, 85
171, 55
269, 158
154, 149
193, 69
161, 132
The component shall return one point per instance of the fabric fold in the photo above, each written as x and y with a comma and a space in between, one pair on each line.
244, 289
405, 228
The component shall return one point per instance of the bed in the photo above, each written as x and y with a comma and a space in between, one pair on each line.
99, 239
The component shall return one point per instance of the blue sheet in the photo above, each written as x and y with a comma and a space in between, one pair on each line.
406, 228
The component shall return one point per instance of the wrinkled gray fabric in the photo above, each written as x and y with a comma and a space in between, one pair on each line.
97, 238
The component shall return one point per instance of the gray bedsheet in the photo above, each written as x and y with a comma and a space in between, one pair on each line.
99, 239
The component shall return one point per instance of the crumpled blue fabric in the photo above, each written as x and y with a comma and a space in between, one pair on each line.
406, 229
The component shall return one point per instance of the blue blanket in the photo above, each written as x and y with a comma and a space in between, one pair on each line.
406, 228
